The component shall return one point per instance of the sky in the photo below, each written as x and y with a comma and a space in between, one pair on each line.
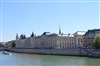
27, 16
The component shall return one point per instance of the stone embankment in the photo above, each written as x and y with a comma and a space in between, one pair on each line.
68, 51
93, 52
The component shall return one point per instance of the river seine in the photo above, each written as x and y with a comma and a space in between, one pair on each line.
21, 59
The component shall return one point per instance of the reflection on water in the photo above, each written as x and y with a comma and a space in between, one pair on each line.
20, 59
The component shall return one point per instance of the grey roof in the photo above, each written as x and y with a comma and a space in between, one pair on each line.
92, 31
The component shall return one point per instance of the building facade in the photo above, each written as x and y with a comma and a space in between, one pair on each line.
89, 36
52, 41
79, 38
55, 41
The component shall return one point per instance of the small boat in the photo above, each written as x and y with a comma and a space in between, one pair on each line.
6, 53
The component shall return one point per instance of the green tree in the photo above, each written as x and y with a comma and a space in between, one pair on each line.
13, 45
97, 41
32, 35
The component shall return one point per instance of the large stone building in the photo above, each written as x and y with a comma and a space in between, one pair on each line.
89, 37
52, 40
55, 41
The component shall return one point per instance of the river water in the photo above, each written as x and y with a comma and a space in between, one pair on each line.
22, 59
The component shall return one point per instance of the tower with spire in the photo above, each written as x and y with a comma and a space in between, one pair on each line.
17, 37
59, 31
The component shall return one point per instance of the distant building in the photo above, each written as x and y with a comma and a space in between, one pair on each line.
66, 41
55, 41
1, 44
79, 38
52, 40
9, 43
89, 37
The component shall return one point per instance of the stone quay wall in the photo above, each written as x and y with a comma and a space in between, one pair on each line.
67, 51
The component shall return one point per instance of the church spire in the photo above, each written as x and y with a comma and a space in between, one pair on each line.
17, 37
59, 31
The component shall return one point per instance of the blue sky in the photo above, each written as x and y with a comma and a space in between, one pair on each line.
26, 17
